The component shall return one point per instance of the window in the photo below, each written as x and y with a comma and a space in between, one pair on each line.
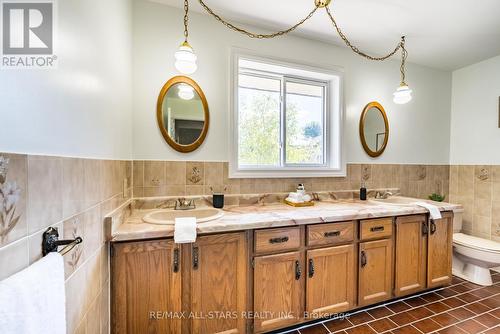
286, 120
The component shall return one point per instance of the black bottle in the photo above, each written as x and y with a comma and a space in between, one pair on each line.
362, 192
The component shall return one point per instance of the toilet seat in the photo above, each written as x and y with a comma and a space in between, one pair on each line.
476, 243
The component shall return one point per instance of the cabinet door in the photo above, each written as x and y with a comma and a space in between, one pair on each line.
219, 283
411, 254
278, 290
440, 251
330, 280
375, 273
146, 284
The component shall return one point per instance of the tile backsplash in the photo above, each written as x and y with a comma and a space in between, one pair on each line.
177, 178
73, 195
477, 188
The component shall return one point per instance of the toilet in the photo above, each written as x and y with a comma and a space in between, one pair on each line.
473, 257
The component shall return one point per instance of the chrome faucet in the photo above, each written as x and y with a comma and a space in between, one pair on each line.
383, 195
184, 204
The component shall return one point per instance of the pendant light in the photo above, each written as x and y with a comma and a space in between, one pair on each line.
402, 95
185, 58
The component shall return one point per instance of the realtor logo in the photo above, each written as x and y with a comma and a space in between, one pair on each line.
27, 34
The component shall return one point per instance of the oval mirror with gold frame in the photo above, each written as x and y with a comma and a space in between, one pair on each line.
182, 114
374, 129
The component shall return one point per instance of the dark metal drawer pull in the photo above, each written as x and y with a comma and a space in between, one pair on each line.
332, 234
176, 260
377, 228
298, 271
311, 267
278, 240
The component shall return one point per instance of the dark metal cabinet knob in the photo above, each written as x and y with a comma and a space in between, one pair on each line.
425, 228
363, 259
311, 267
176, 260
298, 270
196, 255
433, 227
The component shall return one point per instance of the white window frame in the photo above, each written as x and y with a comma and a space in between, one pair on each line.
334, 158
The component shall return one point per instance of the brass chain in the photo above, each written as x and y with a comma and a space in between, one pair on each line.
255, 35
400, 46
186, 19
354, 48
404, 55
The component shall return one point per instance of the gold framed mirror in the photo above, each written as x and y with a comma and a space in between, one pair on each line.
374, 129
182, 114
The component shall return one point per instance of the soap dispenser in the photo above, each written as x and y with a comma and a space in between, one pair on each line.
362, 191
301, 189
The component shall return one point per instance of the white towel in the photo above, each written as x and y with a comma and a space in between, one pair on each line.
433, 210
295, 196
185, 230
32, 301
298, 197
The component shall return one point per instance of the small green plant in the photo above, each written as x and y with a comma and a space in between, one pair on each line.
436, 197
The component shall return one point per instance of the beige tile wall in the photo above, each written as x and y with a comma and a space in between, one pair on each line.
175, 178
73, 195
477, 188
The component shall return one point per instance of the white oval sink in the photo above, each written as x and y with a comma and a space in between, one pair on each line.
167, 217
400, 201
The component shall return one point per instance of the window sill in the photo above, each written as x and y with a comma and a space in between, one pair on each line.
235, 173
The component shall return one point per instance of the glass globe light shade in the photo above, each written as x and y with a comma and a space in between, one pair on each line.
402, 95
185, 59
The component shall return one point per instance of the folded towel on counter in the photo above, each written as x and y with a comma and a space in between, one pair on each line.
306, 198
298, 198
185, 230
33, 301
295, 196
293, 200
433, 210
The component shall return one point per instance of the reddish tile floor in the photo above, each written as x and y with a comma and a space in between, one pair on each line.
460, 308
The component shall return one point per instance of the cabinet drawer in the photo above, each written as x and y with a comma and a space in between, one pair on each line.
330, 234
278, 239
375, 228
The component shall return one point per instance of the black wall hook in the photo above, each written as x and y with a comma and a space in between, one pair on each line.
51, 242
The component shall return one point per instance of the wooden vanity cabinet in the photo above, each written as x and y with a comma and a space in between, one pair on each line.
298, 272
330, 285
153, 282
278, 290
218, 276
375, 261
440, 250
423, 253
146, 282
411, 255
375, 271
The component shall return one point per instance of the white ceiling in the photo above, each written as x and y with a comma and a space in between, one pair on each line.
444, 34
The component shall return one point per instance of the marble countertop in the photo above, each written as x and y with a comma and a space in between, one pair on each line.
238, 218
